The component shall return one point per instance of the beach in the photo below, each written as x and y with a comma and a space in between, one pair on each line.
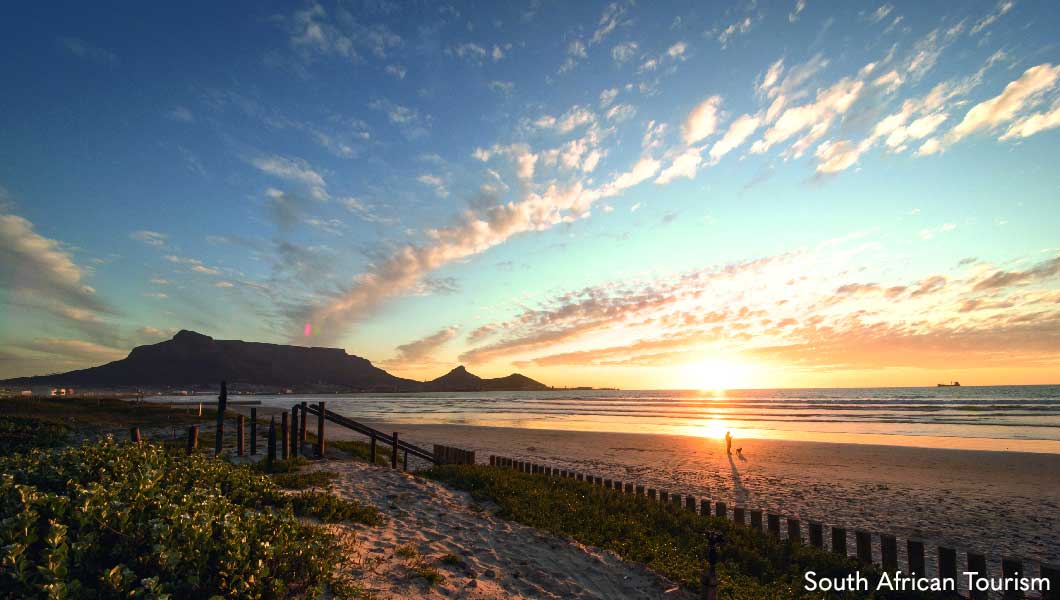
488, 557
998, 503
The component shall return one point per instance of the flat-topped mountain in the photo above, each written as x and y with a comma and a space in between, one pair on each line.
191, 359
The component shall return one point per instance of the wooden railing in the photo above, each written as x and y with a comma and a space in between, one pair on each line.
393, 441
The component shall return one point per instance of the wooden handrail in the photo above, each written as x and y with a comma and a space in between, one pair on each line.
371, 432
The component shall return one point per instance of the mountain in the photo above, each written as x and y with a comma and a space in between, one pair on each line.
192, 359
460, 380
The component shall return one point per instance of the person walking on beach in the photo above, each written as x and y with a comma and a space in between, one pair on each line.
728, 442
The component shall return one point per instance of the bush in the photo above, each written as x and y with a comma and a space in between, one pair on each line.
301, 481
18, 435
665, 537
121, 521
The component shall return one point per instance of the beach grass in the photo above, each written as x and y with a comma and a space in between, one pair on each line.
667, 538
301, 481
104, 413
123, 520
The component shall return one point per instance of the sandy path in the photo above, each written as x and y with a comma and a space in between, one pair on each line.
500, 559
992, 502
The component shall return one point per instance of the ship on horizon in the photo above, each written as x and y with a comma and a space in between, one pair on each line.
950, 384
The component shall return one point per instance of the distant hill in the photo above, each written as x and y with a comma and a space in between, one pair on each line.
192, 359
460, 380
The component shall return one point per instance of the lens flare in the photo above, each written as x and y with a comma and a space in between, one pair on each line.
308, 329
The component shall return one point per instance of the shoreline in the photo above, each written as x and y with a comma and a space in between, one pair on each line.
996, 502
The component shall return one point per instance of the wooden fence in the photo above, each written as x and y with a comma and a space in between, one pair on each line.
447, 455
946, 565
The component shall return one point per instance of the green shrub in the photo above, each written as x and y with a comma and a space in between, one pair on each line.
19, 434
332, 509
301, 481
122, 521
665, 537
363, 451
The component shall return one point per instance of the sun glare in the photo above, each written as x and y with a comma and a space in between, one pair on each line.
715, 375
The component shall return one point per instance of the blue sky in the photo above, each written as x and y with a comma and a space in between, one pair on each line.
590, 193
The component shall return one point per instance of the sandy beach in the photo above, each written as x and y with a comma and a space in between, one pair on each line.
494, 558
999, 503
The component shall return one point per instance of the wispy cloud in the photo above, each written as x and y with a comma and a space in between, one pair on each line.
86, 51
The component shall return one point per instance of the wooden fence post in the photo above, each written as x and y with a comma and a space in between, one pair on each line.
253, 431
320, 430
888, 552
371, 450
285, 439
303, 424
193, 438
839, 540
134, 435
774, 524
270, 445
977, 565
794, 531
405, 461
738, 515
493, 461
756, 519
651, 493
629, 489
947, 563
690, 503
294, 430
640, 490
1010, 569
394, 452
219, 432
664, 496
721, 510
1052, 574
914, 551
240, 447
816, 535
863, 541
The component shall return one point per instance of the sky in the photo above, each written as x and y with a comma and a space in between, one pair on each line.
641, 195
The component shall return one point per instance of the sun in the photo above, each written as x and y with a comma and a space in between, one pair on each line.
714, 374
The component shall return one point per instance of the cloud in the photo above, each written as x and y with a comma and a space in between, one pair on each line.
422, 350
738, 28
434, 182
151, 238
677, 51
685, 165
409, 120
737, 133
771, 77
182, 114
474, 232
608, 96
837, 156
365, 212
296, 170
39, 272
396, 70
800, 5
1002, 279
1032, 124
313, 33
471, 52
85, 51
610, 19
881, 13
502, 87
816, 116
575, 52
702, 121
1017, 96
1002, 8
623, 53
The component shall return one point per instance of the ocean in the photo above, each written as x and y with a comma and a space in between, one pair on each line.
987, 417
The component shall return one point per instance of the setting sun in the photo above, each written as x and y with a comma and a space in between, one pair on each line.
716, 375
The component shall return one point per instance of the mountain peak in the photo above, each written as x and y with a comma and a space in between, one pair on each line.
186, 335
458, 370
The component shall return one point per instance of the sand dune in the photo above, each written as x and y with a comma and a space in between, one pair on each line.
497, 558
